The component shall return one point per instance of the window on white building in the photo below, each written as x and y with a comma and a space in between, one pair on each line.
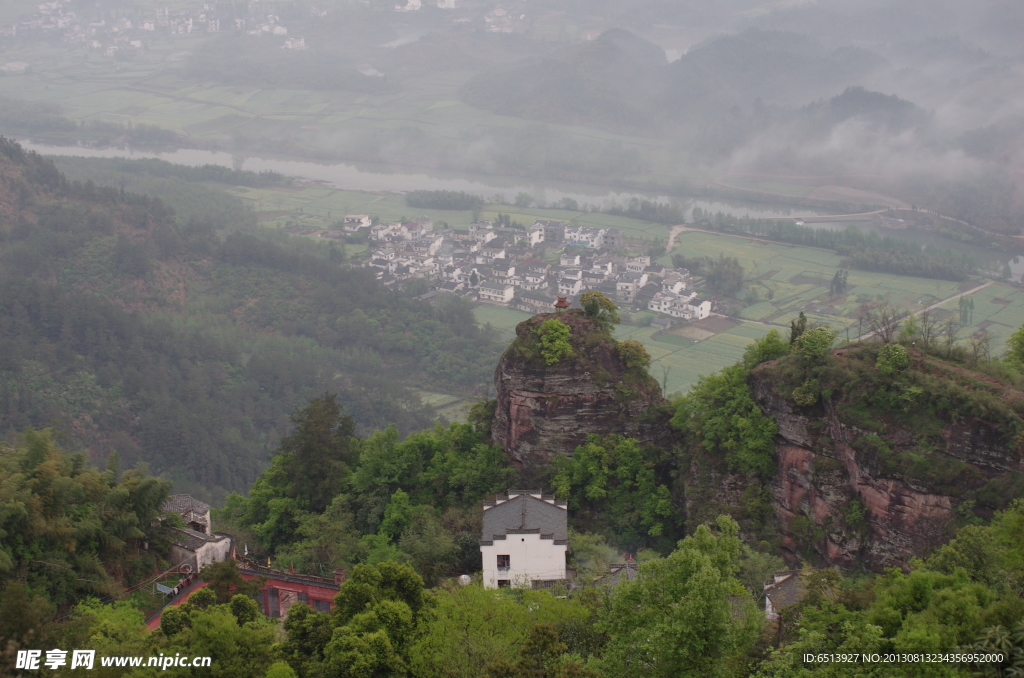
504, 562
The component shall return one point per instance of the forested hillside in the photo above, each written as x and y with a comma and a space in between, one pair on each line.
187, 343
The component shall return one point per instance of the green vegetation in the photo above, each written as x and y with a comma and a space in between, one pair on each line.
596, 305
620, 490
68, 530
331, 499
864, 251
554, 341
678, 619
960, 599
720, 413
186, 345
443, 200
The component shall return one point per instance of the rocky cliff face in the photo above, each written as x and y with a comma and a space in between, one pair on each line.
831, 494
544, 410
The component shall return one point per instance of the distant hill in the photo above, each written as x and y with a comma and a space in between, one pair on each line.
606, 83
776, 67
620, 81
886, 111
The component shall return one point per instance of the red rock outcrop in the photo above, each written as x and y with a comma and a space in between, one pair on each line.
824, 496
544, 410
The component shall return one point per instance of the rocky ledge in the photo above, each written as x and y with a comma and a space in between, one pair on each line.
545, 410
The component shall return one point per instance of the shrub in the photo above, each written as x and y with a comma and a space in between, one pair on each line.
768, 347
554, 340
807, 393
633, 354
892, 358
816, 344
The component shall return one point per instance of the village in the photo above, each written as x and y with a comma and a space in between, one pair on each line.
122, 36
515, 268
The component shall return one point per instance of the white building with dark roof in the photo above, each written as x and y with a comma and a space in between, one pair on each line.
195, 544
198, 549
524, 540
496, 293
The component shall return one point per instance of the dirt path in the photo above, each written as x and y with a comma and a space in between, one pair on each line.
935, 305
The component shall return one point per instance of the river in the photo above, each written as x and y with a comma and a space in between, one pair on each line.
364, 177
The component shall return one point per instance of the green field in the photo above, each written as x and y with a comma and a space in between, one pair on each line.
798, 279
321, 205
998, 319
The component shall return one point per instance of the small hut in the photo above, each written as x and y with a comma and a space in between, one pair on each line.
561, 304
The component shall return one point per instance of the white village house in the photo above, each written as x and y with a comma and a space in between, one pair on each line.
524, 540
195, 544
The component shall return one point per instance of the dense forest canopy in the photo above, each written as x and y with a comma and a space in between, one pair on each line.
187, 344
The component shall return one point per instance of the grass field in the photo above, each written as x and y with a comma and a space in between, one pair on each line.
798, 279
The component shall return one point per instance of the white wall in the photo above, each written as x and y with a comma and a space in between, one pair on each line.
531, 558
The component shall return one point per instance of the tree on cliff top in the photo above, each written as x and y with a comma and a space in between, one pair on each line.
596, 305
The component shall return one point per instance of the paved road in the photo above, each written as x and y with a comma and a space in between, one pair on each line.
935, 305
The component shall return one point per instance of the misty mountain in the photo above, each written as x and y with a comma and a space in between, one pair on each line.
776, 67
605, 82
622, 81
886, 113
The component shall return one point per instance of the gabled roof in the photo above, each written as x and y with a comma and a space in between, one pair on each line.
788, 588
192, 540
525, 512
180, 503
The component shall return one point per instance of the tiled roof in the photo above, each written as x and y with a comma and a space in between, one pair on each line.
180, 503
525, 512
790, 589
190, 539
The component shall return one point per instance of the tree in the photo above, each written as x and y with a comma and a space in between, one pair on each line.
883, 321
816, 344
613, 486
225, 580
725, 275
892, 359
1015, 347
596, 305
471, 628
554, 340
839, 283
926, 331
318, 452
768, 347
541, 656
797, 327
720, 412
523, 200
633, 354
677, 619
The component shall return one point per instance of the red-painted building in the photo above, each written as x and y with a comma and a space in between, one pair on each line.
284, 589
280, 592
